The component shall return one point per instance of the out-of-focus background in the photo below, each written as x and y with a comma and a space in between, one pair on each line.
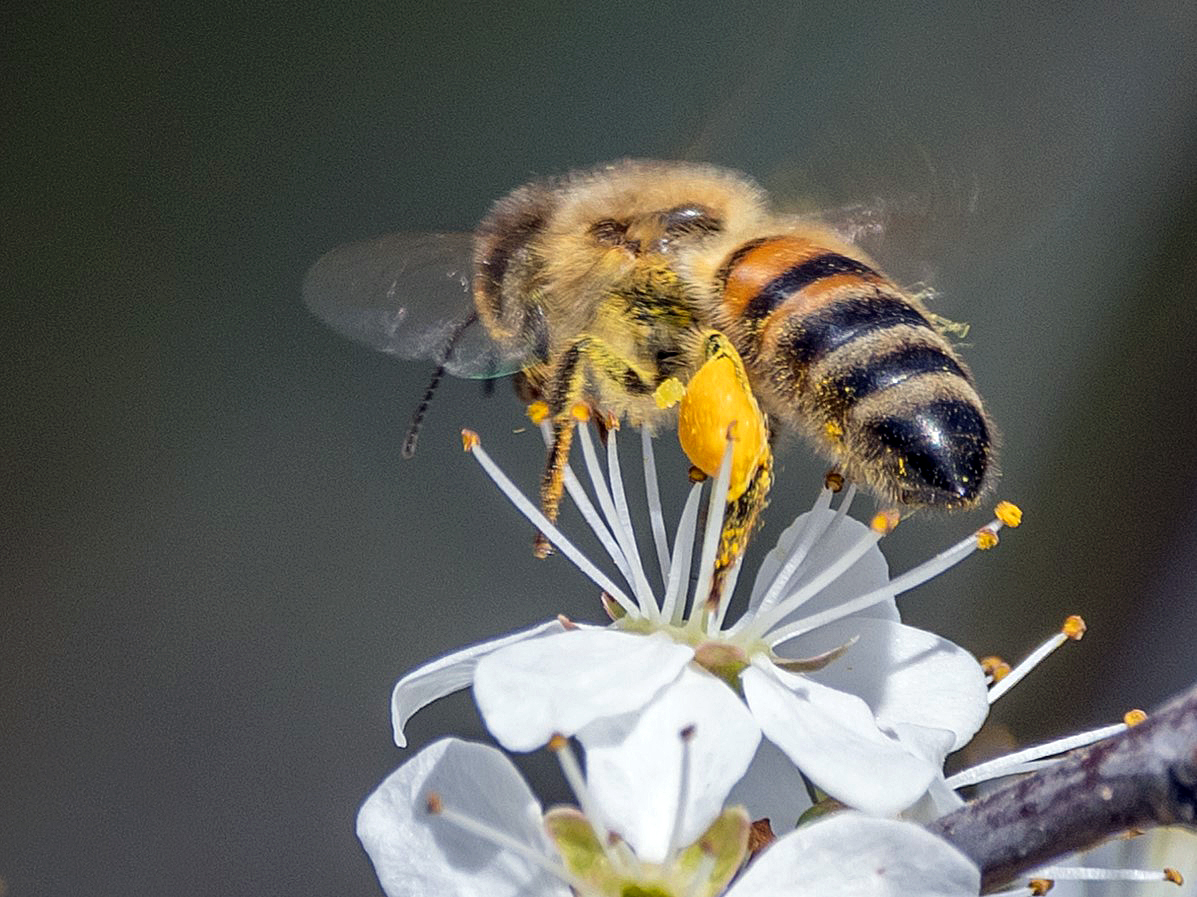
215, 563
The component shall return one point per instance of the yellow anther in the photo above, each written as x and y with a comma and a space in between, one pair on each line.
834, 480
1009, 513
1074, 627
432, 803
885, 522
986, 539
538, 412
557, 742
994, 667
1173, 876
669, 393
696, 475
469, 439
1040, 886
610, 420
1134, 717
580, 412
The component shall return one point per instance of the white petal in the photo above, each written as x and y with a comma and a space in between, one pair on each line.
448, 674
906, 675
418, 855
557, 684
849, 855
832, 737
870, 572
938, 801
634, 762
772, 789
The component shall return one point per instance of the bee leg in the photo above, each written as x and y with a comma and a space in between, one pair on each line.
568, 405
740, 518
552, 483
564, 394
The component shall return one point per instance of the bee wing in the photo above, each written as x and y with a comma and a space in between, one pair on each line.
861, 223
409, 295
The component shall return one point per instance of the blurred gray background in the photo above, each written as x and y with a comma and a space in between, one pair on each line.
215, 563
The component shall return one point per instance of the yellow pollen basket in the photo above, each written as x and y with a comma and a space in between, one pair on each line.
717, 402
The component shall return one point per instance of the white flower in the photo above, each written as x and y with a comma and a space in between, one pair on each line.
458, 821
867, 710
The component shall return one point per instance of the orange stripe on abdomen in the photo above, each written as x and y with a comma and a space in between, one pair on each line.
752, 267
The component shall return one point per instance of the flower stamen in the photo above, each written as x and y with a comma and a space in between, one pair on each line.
710, 539
765, 621
559, 745
686, 736
474, 446
1072, 630
653, 496
644, 592
673, 608
499, 838
1020, 761
627, 543
1090, 873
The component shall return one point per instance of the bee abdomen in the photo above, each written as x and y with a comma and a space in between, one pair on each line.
863, 366
505, 266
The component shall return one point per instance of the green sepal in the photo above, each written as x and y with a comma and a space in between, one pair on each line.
580, 848
727, 841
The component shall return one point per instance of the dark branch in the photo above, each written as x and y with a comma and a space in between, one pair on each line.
1145, 777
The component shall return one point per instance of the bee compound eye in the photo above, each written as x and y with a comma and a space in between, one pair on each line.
690, 219
609, 231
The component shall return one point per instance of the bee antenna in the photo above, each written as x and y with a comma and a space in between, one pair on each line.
417, 419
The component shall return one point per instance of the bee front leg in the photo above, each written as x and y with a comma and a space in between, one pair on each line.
552, 482
565, 408
568, 405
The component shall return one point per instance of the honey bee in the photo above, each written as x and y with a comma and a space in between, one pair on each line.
601, 287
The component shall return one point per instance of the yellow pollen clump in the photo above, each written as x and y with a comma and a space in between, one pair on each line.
1134, 717
432, 803
557, 742
1009, 513
718, 406
1074, 627
986, 539
538, 412
1040, 886
469, 439
669, 393
994, 667
885, 522
580, 412
833, 430
1173, 876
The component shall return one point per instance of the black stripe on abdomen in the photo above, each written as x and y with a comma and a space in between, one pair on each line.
943, 448
801, 275
849, 385
810, 337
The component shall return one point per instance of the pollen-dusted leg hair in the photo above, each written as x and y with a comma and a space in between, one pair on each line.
566, 390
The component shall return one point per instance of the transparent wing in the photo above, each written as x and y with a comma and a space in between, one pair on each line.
409, 295
863, 223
